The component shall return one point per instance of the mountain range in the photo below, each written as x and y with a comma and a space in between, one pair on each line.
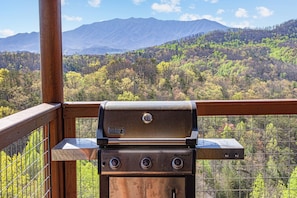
115, 36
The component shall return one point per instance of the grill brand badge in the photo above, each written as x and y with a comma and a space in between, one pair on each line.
116, 131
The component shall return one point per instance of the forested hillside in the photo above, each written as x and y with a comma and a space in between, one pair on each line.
238, 64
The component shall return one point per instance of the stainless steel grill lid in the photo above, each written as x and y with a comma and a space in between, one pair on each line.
147, 123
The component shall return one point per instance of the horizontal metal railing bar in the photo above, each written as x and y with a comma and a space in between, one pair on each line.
20, 124
204, 107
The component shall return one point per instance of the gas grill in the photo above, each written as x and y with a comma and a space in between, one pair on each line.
147, 149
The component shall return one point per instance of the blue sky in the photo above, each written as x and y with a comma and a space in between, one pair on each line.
20, 16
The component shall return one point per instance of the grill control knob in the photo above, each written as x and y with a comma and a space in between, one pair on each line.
146, 163
114, 163
177, 163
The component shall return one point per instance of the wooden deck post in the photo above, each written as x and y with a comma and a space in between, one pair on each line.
51, 50
63, 184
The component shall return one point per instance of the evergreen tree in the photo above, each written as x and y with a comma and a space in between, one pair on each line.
258, 187
291, 190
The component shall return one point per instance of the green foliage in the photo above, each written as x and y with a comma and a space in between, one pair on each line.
3, 76
19, 89
258, 187
73, 80
163, 68
33, 156
88, 179
22, 173
291, 190
243, 64
12, 182
5, 111
128, 96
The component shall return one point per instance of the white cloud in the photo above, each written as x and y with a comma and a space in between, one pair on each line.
264, 12
167, 6
243, 24
63, 2
192, 17
94, 3
241, 13
72, 18
137, 2
211, 18
220, 11
189, 17
6, 33
212, 1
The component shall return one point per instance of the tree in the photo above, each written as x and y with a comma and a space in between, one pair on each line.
291, 190
13, 179
258, 187
5, 111
87, 175
128, 96
4, 83
73, 80
163, 68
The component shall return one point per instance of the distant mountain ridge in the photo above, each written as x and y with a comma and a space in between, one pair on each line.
115, 36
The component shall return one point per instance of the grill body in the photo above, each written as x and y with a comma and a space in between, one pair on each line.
147, 149
147, 172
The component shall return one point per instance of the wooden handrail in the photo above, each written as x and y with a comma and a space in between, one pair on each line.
205, 108
246, 107
20, 124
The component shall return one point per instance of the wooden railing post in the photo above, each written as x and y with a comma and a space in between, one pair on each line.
52, 91
57, 170
51, 51
70, 166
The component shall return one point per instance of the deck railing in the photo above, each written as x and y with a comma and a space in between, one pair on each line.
25, 141
79, 117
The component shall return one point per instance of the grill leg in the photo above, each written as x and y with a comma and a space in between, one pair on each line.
104, 186
190, 186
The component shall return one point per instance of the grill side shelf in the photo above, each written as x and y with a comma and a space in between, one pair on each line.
216, 149
71, 149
